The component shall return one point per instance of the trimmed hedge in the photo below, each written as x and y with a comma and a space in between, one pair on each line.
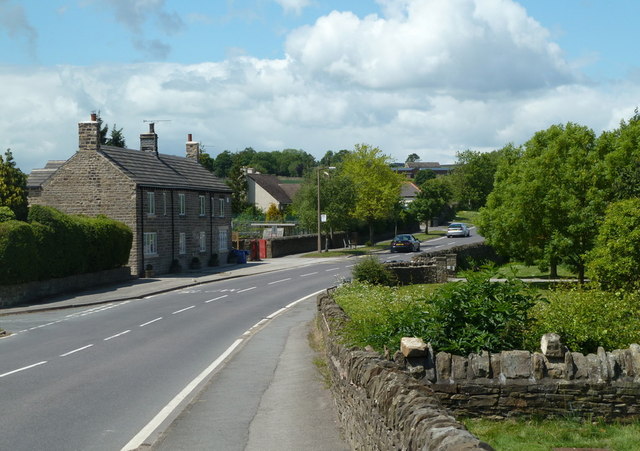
53, 244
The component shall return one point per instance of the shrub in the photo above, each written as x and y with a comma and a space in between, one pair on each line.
586, 319
479, 315
18, 252
371, 270
6, 214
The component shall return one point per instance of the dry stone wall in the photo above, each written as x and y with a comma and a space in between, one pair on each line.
382, 407
554, 382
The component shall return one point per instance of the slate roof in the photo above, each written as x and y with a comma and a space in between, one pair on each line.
163, 171
38, 176
272, 185
409, 190
148, 169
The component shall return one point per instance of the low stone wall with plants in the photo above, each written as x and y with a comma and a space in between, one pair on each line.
554, 382
12, 295
468, 255
424, 270
382, 407
288, 245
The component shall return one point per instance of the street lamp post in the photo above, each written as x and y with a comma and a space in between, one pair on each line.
318, 213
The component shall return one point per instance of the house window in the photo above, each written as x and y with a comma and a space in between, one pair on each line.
164, 204
182, 202
202, 206
182, 243
203, 242
151, 203
223, 238
151, 243
221, 208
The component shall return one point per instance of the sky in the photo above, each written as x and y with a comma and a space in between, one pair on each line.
430, 77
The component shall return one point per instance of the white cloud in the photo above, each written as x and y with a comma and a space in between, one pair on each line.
462, 45
295, 6
429, 77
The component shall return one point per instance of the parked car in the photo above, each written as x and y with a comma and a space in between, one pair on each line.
405, 242
458, 229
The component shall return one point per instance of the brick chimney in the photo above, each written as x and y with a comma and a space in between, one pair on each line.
89, 135
193, 148
149, 141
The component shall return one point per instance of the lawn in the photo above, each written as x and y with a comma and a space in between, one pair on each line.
543, 435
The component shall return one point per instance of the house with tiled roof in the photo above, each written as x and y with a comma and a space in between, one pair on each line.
179, 212
264, 190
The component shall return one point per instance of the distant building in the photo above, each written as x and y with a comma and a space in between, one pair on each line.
264, 190
408, 192
176, 209
410, 169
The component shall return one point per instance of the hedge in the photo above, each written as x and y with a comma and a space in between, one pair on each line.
53, 244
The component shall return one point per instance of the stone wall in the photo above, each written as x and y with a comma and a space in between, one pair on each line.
467, 253
11, 295
289, 245
554, 382
381, 407
430, 270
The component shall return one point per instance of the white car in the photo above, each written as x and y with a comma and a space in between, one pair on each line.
458, 229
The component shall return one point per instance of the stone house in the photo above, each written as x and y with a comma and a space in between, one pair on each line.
178, 211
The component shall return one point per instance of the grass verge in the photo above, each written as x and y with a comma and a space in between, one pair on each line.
543, 435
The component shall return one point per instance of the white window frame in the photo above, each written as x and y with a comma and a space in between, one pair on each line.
203, 241
182, 204
182, 243
221, 207
151, 203
223, 239
203, 206
150, 243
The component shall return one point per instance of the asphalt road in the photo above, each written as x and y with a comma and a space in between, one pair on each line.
94, 378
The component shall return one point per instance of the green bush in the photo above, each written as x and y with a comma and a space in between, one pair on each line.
586, 319
18, 251
6, 214
479, 315
371, 270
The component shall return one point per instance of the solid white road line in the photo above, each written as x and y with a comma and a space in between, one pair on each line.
246, 289
183, 310
215, 299
117, 335
75, 350
278, 281
150, 322
139, 439
24, 368
146, 431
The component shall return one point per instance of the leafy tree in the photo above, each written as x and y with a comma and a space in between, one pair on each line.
424, 175
412, 158
6, 214
331, 158
337, 201
548, 201
433, 197
237, 181
13, 186
614, 262
377, 186
472, 177
622, 149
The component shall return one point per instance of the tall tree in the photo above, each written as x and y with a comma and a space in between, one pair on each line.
433, 197
473, 176
547, 203
377, 186
116, 138
13, 186
412, 158
423, 175
237, 181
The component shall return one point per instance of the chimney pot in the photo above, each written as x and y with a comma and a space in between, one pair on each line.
189, 137
94, 117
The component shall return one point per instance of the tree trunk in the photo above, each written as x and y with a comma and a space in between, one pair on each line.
581, 273
426, 227
553, 268
371, 233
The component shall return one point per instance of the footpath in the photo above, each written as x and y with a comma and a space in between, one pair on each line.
292, 410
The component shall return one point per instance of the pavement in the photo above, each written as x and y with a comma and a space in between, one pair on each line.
294, 409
